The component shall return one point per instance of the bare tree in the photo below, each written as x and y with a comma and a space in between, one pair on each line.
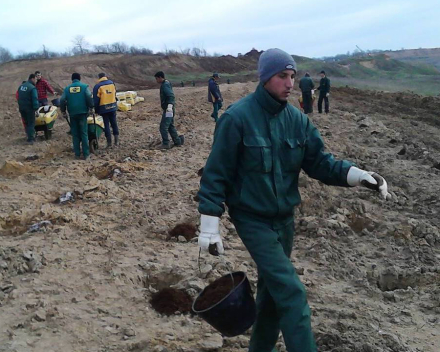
80, 44
5, 55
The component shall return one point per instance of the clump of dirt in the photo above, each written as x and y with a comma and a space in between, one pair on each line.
170, 300
186, 230
216, 291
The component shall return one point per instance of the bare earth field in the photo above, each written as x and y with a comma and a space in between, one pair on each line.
83, 282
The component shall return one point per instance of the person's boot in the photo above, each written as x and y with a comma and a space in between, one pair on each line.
164, 147
182, 140
109, 143
116, 140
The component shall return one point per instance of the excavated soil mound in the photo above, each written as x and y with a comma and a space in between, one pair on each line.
170, 300
216, 291
186, 230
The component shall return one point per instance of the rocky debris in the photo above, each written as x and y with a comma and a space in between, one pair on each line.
39, 226
211, 342
65, 197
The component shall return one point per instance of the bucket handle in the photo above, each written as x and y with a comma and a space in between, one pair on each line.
224, 262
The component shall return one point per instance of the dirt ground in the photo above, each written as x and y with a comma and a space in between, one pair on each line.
83, 282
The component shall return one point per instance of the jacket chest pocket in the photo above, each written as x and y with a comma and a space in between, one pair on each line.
293, 154
257, 154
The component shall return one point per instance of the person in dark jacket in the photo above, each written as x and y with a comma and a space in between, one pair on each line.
324, 92
306, 85
104, 98
214, 95
261, 143
78, 100
27, 99
43, 87
167, 102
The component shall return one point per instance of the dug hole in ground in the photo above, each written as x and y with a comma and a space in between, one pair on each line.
84, 281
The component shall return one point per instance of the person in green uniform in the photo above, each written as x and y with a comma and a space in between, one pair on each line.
306, 85
27, 99
261, 143
167, 102
77, 98
324, 92
214, 95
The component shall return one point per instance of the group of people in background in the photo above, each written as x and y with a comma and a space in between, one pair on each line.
80, 103
307, 88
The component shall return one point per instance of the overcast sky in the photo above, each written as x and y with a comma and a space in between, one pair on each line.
306, 28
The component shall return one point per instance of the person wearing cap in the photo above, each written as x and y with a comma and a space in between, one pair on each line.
324, 92
261, 143
167, 102
306, 85
214, 95
78, 101
104, 98
27, 99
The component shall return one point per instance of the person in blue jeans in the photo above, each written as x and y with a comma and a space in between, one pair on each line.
214, 95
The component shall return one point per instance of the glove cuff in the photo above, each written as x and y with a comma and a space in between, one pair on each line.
209, 224
354, 176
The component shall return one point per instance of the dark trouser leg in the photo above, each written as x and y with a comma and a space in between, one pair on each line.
327, 104
163, 128
107, 132
280, 289
307, 99
321, 97
28, 117
43, 102
83, 134
216, 107
114, 123
74, 128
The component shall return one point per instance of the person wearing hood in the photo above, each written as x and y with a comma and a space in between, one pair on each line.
104, 98
261, 144
27, 98
214, 95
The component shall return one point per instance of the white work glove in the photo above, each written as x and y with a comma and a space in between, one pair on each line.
169, 111
210, 234
313, 91
37, 114
327, 95
55, 93
371, 180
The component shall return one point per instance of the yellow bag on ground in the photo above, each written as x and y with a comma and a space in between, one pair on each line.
123, 106
138, 99
121, 95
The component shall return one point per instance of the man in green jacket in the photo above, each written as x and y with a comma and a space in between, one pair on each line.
306, 85
167, 102
28, 106
324, 92
78, 100
261, 143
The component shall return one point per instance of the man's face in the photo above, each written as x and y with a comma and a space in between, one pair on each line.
280, 86
216, 78
322, 75
159, 79
38, 76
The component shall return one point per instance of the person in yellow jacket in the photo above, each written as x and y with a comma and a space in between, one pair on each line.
104, 98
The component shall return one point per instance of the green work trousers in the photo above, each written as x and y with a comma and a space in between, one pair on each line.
28, 117
216, 107
78, 125
281, 297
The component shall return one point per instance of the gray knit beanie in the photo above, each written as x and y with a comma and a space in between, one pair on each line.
273, 61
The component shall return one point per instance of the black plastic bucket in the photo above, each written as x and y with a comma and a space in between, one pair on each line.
233, 314
56, 102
